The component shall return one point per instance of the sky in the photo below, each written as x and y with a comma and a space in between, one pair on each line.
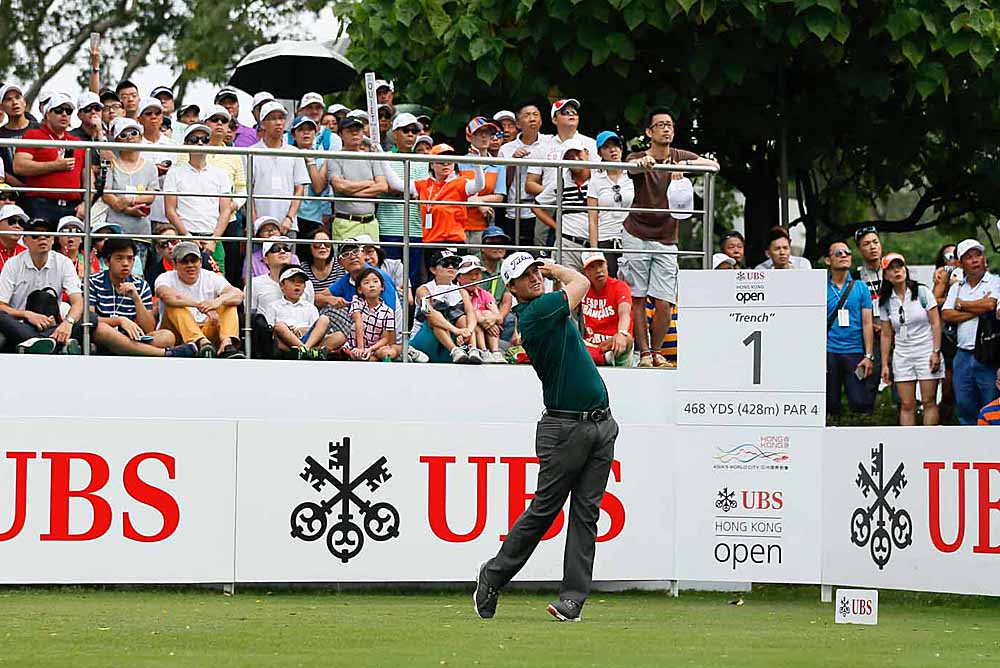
201, 93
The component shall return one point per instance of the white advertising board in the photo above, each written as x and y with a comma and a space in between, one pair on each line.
752, 348
95, 501
748, 504
912, 508
370, 502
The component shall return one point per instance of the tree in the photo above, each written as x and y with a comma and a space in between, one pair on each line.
872, 96
204, 39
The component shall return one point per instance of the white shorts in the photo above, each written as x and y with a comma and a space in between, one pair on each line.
648, 275
915, 366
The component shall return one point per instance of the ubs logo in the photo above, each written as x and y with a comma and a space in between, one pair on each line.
881, 525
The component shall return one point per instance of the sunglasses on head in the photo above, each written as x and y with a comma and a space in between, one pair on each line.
62, 111
199, 139
617, 190
863, 231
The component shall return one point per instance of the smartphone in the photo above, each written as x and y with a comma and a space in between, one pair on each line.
858, 373
145, 339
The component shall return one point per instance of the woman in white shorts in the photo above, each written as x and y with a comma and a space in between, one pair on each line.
914, 338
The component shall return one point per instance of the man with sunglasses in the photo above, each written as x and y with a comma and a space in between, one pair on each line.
89, 110
278, 253
52, 167
405, 129
869, 272
12, 219
151, 120
849, 334
205, 207
19, 121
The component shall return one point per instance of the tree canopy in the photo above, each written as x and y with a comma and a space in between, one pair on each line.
874, 97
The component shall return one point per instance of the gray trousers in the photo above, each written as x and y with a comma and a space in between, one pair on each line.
575, 459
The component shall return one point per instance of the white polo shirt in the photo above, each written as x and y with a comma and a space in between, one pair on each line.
294, 314
157, 213
266, 291
552, 149
199, 214
20, 277
989, 285
507, 151
208, 285
276, 175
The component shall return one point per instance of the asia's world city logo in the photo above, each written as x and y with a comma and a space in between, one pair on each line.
770, 453
881, 524
345, 538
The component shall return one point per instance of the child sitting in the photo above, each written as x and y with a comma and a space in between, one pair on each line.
298, 327
373, 336
486, 336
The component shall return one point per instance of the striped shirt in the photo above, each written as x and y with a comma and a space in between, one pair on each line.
323, 285
990, 414
106, 301
390, 216
574, 223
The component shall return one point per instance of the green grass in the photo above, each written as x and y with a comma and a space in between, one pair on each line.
777, 626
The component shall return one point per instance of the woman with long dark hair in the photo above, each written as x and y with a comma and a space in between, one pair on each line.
914, 337
323, 270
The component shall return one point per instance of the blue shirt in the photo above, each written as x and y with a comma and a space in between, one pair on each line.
346, 290
850, 339
107, 303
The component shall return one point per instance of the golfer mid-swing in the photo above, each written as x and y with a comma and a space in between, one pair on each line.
574, 440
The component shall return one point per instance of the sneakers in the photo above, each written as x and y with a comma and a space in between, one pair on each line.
231, 352
459, 356
565, 610
646, 360
206, 350
495, 357
661, 362
185, 350
484, 598
71, 347
415, 355
39, 345
475, 356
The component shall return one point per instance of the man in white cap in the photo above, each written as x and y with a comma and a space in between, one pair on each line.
151, 119
723, 261
607, 314
258, 100
52, 167
565, 115
15, 107
217, 119
355, 179
245, 136
405, 130
385, 92
974, 296
654, 275
277, 175
574, 440
12, 219
508, 123
89, 109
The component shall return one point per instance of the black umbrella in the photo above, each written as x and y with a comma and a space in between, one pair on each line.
289, 69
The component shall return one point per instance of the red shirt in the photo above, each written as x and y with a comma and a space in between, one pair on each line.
600, 310
6, 255
69, 179
447, 222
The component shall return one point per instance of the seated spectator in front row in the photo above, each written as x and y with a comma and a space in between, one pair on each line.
30, 319
990, 413
162, 260
264, 228
723, 261
298, 327
199, 306
345, 289
489, 324
733, 245
779, 252
12, 219
444, 330
607, 314
373, 335
278, 254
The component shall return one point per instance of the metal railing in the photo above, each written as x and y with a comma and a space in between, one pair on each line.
87, 192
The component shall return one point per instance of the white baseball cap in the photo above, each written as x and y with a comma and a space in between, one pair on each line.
360, 240
9, 87
270, 243
292, 271
265, 220
226, 92
160, 90
358, 113
967, 245
559, 104
311, 98
149, 102
680, 195
69, 221
574, 144
403, 120
592, 256
336, 108
382, 83
515, 265
260, 98
217, 110
88, 98
500, 115
270, 107
720, 259
58, 100
13, 211
469, 263
196, 127
123, 123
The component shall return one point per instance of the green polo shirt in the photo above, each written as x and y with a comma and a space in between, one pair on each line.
496, 286
570, 381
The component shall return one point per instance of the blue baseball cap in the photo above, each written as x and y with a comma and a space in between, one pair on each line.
302, 120
494, 231
603, 138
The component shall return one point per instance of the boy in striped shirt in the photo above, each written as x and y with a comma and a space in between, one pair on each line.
990, 413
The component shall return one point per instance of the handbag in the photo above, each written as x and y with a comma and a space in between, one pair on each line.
987, 350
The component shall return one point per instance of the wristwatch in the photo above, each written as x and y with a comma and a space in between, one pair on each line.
869, 356
71, 320
624, 332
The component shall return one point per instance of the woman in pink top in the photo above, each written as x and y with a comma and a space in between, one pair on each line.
489, 323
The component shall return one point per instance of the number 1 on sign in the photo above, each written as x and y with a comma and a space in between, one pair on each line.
754, 338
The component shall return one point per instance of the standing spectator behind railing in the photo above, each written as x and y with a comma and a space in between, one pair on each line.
312, 212
15, 107
945, 275
277, 175
405, 130
849, 337
912, 334
131, 172
733, 244
128, 93
245, 135
975, 295
151, 119
609, 188
355, 179
529, 121
479, 133
52, 167
575, 223
654, 275
445, 223
779, 252
217, 118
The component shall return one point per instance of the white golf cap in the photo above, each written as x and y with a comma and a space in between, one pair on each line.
265, 220
360, 240
8, 211
271, 107
336, 108
589, 257
59, 100
720, 259
382, 83
196, 127
149, 103
403, 120
270, 243
515, 265
680, 195
6, 88
469, 263
574, 144
311, 98
226, 92
260, 98
88, 98
292, 271
190, 108
106, 226
500, 115
559, 104
358, 113
217, 110
162, 90
121, 124
424, 139
69, 221
967, 245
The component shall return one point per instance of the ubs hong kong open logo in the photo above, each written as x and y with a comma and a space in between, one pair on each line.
345, 538
882, 524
